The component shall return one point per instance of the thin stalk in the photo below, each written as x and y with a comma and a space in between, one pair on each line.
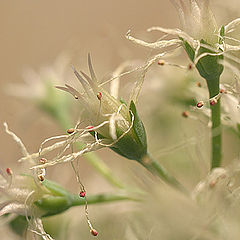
101, 198
216, 131
155, 168
64, 121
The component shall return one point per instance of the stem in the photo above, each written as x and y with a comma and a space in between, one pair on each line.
101, 198
154, 167
102, 168
216, 132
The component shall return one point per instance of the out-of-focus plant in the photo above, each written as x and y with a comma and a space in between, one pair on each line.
206, 45
108, 121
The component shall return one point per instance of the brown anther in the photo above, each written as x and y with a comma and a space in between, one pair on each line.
99, 96
9, 171
190, 66
213, 101
82, 194
212, 184
75, 96
185, 114
222, 91
94, 232
199, 84
41, 178
43, 160
161, 62
200, 104
70, 130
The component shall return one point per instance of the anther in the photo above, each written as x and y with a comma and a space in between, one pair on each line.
70, 130
75, 96
222, 90
94, 232
9, 171
89, 127
213, 101
161, 62
82, 194
185, 114
190, 66
43, 160
200, 104
41, 178
99, 96
199, 84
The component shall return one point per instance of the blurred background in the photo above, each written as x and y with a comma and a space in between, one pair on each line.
42, 38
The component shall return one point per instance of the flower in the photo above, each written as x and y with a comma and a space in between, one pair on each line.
38, 87
30, 195
112, 122
108, 121
197, 19
203, 41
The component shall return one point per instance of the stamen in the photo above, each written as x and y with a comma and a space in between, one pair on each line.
43, 160
9, 171
70, 130
82, 194
190, 66
94, 232
200, 104
213, 101
161, 62
199, 84
223, 91
99, 96
185, 114
90, 127
41, 178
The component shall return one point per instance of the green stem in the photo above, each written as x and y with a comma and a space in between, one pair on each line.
101, 198
154, 167
103, 169
216, 135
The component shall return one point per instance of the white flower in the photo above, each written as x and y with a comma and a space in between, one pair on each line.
199, 30
18, 193
108, 123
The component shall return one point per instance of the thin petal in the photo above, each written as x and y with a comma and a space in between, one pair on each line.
93, 75
83, 82
90, 81
232, 25
154, 45
13, 208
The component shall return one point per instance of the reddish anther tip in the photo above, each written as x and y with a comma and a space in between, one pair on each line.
43, 160
70, 130
90, 127
200, 104
199, 84
82, 194
161, 62
99, 95
9, 171
213, 102
94, 232
41, 178
190, 66
185, 114
222, 91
